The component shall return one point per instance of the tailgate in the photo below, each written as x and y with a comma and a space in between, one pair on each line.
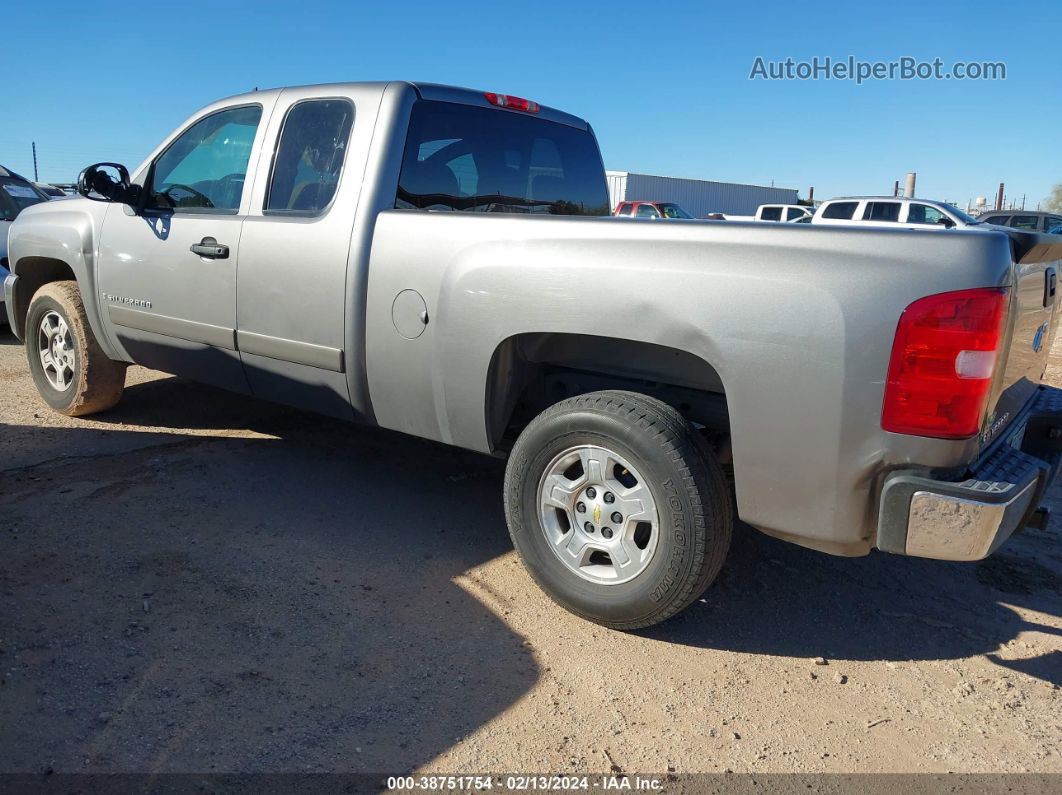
1032, 320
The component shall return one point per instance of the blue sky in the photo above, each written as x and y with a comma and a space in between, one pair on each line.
665, 86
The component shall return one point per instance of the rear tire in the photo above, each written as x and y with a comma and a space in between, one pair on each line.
70, 370
619, 511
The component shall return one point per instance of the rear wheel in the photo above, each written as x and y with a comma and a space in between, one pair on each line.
70, 370
618, 510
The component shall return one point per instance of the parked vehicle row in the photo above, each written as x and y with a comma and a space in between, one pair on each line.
661, 209
883, 211
433, 260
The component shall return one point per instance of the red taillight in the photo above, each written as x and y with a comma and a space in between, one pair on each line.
943, 359
512, 103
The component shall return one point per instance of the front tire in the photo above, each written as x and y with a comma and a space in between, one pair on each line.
70, 370
619, 511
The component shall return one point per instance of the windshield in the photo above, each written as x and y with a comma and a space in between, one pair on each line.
674, 211
15, 195
966, 219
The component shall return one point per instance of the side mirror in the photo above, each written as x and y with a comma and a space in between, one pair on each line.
108, 182
946, 222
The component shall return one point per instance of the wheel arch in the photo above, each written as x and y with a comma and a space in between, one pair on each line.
33, 273
530, 371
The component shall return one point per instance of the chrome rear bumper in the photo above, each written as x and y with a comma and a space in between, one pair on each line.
971, 518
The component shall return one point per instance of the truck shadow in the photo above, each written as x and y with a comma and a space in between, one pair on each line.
778, 599
300, 600
215, 604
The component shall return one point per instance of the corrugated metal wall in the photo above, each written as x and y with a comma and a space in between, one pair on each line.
697, 196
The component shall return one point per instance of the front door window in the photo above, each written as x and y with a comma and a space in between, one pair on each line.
204, 169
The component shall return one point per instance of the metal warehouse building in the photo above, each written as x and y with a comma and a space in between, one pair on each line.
698, 197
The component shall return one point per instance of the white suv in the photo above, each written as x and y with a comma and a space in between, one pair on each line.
886, 211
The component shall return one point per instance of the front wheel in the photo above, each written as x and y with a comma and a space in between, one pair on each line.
70, 370
618, 510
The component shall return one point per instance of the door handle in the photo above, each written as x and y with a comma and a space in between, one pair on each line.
209, 247
1050, 282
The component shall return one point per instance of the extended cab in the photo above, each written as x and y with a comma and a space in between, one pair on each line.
436, 261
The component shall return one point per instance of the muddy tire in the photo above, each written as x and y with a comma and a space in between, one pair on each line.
70, 370
619, 511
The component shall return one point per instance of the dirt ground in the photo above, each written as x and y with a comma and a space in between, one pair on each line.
196, 581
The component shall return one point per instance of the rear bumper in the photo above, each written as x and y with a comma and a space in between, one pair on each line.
970, 519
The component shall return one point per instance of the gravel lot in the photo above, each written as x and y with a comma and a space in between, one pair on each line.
202, 582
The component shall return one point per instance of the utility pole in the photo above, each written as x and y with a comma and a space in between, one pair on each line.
35, 177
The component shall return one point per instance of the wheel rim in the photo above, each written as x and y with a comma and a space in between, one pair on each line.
598, 515
56, 349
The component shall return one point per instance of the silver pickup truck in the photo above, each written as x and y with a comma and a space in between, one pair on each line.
440, 261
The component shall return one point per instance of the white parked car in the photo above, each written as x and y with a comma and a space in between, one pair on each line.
892, 211
788, 213
782, 212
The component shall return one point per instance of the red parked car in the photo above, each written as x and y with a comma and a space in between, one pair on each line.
651, 210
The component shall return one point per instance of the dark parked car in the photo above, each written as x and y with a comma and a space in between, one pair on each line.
16, 193
1029, 220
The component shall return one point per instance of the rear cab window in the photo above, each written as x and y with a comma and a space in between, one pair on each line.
464, 158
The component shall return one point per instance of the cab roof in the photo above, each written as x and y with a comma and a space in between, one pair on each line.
434, 91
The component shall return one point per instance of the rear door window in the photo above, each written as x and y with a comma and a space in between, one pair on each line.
1030, 222
647, 211
1001, 220
771, 214
470, 159
882, 211
309, 159
840, 210
625, 209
